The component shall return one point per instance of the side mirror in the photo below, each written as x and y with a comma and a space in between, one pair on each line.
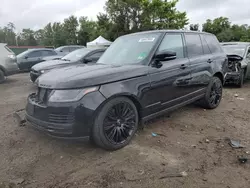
165, 55
87, 60
26, 57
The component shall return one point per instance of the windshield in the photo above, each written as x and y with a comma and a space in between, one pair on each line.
76, 55
234, 50
130, 49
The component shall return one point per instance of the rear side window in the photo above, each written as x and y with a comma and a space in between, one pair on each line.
213, 43
206, 49
194, 46
35, 54
74, 48
173, 42
48, 53
66, 49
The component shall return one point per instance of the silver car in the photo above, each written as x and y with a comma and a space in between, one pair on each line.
8, 65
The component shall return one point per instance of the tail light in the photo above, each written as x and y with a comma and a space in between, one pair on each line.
12, 56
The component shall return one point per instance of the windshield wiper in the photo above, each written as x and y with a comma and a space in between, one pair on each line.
65, 59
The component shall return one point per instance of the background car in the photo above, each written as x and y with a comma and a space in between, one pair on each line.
64, 50
140, 76
84, 55
238, 62
31, 57
8, 64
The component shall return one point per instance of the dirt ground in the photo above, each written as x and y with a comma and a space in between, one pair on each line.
193, 142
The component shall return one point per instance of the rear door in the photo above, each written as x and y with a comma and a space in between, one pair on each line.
169, 83
201, 60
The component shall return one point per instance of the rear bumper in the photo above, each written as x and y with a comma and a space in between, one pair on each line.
12, 69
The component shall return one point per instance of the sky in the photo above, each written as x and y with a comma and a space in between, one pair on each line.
35, 14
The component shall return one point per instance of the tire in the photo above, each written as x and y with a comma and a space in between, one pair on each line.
213, 94
2, 76
241, 79
117, 119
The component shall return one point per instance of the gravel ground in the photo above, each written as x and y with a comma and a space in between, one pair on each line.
193, 143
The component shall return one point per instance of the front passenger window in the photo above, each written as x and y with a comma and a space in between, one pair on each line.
174, 43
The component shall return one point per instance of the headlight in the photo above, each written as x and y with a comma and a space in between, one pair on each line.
42, 71
70, 95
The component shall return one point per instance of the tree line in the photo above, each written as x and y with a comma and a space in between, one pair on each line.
120, 17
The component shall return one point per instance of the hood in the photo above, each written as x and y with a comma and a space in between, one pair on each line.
234, 57
53, 57
80, 76
46, 65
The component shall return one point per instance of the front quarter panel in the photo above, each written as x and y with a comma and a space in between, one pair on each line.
136, 88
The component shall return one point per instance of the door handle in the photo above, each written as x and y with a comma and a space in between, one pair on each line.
183, 66
209, 60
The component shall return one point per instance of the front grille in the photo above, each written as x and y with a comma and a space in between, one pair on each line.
61, 118
43, 95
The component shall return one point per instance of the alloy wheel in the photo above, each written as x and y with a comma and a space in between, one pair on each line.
215, 94
119, 123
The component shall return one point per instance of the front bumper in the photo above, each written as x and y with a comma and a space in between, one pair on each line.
64, 120
232, 77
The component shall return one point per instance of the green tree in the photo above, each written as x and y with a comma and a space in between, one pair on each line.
70, 30
48, 35
194, 27
39, 36
27, 37
216, 26
128, 16
88, 30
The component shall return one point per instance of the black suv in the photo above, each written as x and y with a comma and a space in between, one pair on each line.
140, 76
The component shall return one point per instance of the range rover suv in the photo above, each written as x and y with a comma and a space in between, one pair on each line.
140, 76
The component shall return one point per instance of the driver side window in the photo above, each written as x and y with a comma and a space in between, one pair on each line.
173, 43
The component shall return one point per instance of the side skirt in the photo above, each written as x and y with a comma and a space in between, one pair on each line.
172, 108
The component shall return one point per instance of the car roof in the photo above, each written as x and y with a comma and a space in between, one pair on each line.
170, 31
38, 49
71, 46
235, 43
95, 49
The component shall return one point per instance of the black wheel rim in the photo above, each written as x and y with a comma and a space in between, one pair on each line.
216, 94
119, 123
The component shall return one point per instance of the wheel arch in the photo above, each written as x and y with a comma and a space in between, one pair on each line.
3, 69
220, 76
130, 96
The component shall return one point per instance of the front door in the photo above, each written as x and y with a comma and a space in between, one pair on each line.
30, 59
170, 82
